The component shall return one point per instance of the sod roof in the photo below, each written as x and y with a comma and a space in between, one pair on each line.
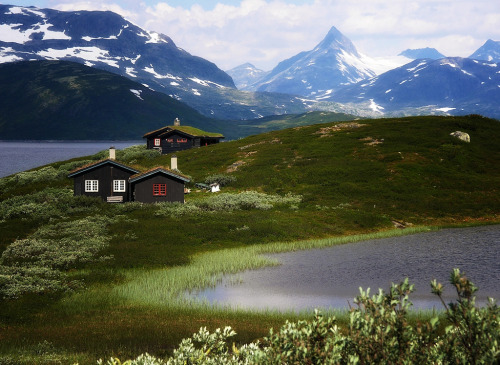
192, 131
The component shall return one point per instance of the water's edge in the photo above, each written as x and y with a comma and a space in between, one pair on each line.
331, 277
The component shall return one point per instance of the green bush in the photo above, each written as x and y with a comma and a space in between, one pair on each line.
221, 179
45, 204
130, 154
379, 332
38, 263
228, 202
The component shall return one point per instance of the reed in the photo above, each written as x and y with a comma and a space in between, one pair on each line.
167, 287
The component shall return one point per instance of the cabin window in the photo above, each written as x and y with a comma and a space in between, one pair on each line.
170, 140
91, 186
182, 140
159, 189
157, 142
118, 186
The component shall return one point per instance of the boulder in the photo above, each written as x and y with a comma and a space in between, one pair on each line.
461, 136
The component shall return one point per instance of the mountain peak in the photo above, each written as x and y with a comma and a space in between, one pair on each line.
336, 40
489, 51
419, 53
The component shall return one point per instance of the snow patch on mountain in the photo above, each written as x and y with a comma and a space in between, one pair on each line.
137, 93
92, 54
152, 71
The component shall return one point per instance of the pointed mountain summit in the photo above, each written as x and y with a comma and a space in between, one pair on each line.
489, 51
332, 63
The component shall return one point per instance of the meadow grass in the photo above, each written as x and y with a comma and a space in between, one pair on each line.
350, 187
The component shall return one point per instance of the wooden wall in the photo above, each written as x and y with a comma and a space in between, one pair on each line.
142, 190
105, 174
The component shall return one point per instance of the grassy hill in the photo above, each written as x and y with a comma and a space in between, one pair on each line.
58, 100
308, 182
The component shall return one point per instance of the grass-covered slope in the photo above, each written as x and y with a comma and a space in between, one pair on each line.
66, 100
333, 179
407, 168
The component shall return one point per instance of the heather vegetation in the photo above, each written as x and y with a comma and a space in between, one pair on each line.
81, 279
379, 332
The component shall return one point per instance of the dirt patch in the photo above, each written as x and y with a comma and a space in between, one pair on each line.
235, 166
370, 141
327, 131
275, 140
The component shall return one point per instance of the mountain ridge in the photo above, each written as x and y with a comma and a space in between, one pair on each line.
331, 63
107, 41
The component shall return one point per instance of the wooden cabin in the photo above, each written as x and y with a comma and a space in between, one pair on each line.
158, 185
106, 179
177, 138
115, 182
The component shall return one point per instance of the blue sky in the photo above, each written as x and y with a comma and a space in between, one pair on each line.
265, 32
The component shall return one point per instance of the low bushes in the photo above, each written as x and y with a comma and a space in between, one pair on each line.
41, 175
131, 154
221, 179
46, 204
227, 202
379, 332
38, 264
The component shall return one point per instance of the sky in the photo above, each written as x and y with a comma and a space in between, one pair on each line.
265, 32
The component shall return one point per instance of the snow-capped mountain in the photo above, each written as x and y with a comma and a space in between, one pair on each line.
104, 40
489, 51
419, 53
449, 85
332, 63
107, 41
245, 75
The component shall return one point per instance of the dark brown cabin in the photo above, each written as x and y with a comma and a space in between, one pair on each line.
106, 179
177, 138
158, 185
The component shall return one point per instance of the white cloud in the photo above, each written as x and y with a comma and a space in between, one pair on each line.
265, 32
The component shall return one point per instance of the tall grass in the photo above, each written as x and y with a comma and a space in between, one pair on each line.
166, 287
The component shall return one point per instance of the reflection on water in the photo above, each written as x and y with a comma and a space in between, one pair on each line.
330, 277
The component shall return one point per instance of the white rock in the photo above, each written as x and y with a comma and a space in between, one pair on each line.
461, 136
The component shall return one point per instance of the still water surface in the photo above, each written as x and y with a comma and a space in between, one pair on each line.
330, 277
21, 156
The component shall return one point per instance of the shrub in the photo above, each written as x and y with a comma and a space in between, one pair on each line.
45, 204
379, 332
227, 202
246, 200
221, 179
130, 154
36, 205
38, 263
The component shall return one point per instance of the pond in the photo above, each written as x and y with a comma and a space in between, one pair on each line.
331, 277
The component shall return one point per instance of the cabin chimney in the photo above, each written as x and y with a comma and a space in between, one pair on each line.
177, 122
173, 162
112, 153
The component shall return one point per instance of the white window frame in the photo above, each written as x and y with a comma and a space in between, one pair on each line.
91, 186
157, 142
119, 186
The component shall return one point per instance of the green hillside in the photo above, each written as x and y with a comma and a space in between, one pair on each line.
112, 296
58, 100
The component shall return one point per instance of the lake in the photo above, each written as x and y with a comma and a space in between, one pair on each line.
21, 156
330, 277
